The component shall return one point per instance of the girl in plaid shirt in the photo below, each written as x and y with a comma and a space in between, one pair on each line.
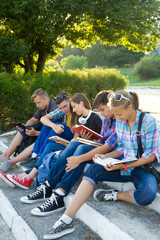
124, 106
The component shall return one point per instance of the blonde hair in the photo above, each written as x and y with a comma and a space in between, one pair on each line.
132, 97
40, 92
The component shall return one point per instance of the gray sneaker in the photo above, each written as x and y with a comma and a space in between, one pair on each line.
105, 195
5, 166
59, 229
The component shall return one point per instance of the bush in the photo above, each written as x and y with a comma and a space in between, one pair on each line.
74, 62
148, 67
16, 89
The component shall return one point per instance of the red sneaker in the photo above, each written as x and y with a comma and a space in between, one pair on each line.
22, 182
4, 178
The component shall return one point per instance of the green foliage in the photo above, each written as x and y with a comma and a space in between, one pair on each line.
74, 62
99, 55
148, 67
16, 89
52, 65
43, 28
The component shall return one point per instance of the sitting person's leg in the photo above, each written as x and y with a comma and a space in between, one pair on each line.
67, 134
22, 156
94, 174
12, 147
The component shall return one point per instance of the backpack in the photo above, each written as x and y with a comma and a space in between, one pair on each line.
27, 140
153, 167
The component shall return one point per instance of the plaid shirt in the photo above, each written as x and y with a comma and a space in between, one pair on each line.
108, 132
127, 142
58, 115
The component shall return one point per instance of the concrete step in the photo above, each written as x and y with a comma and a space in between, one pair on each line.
111, 220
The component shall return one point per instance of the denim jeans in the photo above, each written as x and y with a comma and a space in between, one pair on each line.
58, 177
47, 132
145, 183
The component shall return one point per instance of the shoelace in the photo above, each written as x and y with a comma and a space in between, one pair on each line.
109, 196
38, 191
57, 224
49, 202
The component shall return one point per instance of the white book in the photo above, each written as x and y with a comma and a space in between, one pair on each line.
113, 161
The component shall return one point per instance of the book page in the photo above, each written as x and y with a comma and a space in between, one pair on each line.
113, 161
88, 142
57, 138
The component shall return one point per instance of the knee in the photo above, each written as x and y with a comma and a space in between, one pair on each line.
146, 193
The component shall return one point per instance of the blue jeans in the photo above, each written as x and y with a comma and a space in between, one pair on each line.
58, 177
145, 183
47, 132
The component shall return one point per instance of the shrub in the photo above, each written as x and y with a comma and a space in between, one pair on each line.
16, 89
74, 62
148, 67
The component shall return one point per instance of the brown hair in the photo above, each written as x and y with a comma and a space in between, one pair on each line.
101, 98
40, 92
62, 96
77, 98
124, 103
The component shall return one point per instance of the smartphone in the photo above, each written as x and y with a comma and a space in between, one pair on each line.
18, 124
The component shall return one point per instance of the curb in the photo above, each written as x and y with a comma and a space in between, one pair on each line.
12, 219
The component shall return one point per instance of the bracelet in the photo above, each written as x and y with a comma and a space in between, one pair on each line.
125, 167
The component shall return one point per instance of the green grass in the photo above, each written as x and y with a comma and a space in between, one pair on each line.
134, 80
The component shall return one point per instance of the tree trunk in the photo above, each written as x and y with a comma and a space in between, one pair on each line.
41, 61
29, 63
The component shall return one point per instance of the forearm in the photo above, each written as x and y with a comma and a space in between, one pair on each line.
46, 121
98, 150
141, 162
31, 121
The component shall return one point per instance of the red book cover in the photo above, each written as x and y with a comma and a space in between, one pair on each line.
79, 128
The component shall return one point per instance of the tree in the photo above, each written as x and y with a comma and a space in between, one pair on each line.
46, 26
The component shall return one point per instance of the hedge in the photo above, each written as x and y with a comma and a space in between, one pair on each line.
16, 89
148, 67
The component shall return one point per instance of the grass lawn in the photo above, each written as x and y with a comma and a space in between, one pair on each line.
134, 80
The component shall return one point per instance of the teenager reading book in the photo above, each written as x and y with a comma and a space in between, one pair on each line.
124, 105
80, 106
65, 172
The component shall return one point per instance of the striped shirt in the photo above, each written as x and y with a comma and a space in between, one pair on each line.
127, 142
108, 132
58, 116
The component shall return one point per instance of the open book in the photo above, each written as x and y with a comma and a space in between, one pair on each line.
57, 138
88, 142
79, 128
113, 161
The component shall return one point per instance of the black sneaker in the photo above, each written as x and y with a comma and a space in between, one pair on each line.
105, 195
42, 193
29, 162
59, 229
54, 204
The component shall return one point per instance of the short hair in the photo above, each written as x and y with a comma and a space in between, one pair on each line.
40, 92
62, 96
101, 98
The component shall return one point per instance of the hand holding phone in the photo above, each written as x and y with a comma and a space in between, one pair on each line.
20, 125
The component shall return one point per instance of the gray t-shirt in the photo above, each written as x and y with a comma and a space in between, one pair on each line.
40, 113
